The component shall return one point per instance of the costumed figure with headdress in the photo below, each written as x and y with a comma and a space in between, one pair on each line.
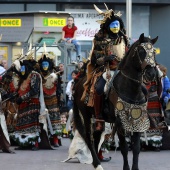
50, 78
8, 91
10, 83
153, 137
4, 136
31, 119
109, 47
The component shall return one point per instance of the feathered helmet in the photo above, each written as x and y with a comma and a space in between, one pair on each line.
108, 17
45, 57
30, 54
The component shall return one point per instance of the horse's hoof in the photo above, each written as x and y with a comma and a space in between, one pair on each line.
126, 167
99, 167
135, 168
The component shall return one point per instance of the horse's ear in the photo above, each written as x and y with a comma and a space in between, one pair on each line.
141, 38
154, 40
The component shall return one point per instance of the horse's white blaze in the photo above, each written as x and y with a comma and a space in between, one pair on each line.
99, 167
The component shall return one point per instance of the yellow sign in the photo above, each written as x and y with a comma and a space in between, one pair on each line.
54, 22
3, 53
158, 51
10, 22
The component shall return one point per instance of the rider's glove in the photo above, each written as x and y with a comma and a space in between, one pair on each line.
109, 58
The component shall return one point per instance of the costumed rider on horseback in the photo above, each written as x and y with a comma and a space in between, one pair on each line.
109, 47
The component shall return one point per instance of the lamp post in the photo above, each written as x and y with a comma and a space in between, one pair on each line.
129, 18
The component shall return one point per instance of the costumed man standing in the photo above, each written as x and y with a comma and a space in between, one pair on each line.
4, 137
109, 47
154, 108
30, 106
51, 100
10, 83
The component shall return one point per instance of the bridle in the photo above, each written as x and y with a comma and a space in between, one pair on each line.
149, 59
150, 55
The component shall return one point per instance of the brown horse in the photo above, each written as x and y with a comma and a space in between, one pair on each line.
126, 102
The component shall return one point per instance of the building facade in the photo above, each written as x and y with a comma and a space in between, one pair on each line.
148, 16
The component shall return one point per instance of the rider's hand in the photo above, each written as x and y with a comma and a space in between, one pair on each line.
109, 58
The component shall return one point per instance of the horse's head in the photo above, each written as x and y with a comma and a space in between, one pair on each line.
146, 56
141, 57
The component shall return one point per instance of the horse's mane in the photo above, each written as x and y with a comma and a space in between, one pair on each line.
129, 53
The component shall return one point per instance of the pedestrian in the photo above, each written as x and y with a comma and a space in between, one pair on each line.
69, 89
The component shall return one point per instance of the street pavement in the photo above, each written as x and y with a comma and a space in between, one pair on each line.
51, 160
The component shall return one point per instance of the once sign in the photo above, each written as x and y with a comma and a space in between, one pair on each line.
10, 22
54, 22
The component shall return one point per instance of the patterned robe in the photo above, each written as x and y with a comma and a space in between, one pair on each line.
154, 134
49, 89
12, 107
28, 128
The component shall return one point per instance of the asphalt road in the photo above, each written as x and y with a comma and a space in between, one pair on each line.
51, 160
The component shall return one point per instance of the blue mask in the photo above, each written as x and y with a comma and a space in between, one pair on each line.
22, 70
45, 65
115, 26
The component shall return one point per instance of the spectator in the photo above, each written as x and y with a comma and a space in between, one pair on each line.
61, 68
80, 65
5, 64
69, 33
69, 89
2, 69
166, 86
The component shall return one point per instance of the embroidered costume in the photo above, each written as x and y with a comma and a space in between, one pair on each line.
29, 99
109, 47
50, 97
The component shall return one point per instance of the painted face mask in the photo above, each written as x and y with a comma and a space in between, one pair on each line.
45, 65
115, 26
22, 70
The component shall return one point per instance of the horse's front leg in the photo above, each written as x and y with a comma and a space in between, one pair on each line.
136, 150
124, 149
91, 146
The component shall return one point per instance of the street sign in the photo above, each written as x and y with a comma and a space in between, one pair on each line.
10, 22
54, 22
